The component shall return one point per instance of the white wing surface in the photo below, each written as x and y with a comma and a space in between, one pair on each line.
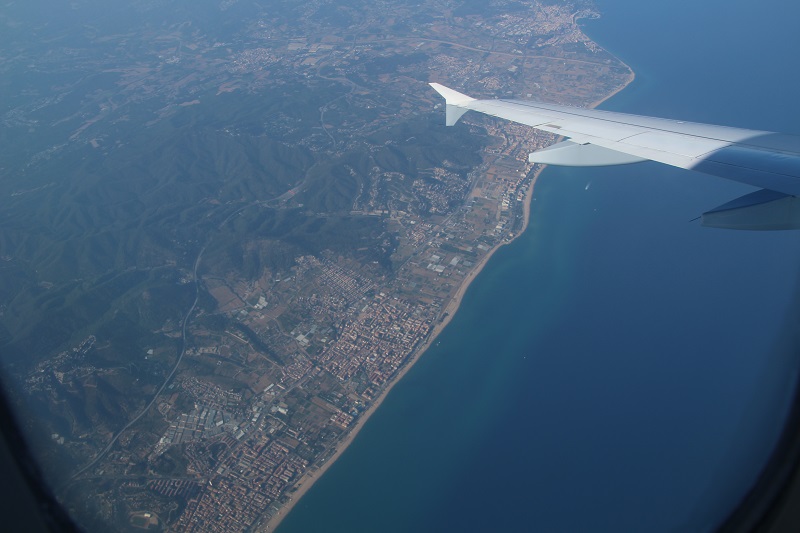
761, 158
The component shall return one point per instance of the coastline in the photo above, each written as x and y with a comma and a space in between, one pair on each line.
307, 480
631, 78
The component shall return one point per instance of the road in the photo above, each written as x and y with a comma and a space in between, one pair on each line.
186, 317
182, 352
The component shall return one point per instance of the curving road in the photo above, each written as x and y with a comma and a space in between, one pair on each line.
166, 381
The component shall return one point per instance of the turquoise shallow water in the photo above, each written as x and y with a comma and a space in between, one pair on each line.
617, 368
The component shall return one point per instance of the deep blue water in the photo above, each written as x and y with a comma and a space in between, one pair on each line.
618, 367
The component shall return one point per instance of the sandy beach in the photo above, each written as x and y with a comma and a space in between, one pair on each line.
631, 77
307, 480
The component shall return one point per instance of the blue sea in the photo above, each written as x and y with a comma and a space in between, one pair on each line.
618, 367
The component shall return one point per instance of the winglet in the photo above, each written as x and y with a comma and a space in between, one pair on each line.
454, 102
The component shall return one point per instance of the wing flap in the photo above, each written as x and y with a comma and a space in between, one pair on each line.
676, 143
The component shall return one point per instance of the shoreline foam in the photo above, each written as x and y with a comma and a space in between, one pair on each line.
308, 479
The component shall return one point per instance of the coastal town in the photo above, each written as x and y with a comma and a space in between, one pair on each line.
288, 350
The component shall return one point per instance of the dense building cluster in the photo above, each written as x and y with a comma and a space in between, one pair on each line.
248, 479
379, 340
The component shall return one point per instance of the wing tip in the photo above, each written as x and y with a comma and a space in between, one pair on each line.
450, 96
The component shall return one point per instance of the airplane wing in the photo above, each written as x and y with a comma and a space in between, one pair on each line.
597, 138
